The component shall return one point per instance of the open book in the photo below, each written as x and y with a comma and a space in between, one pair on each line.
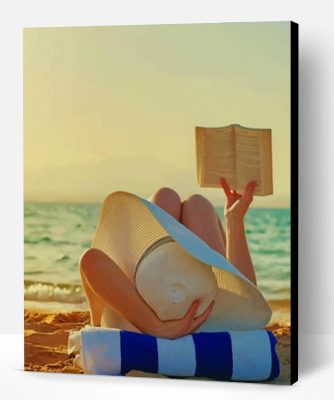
238, 154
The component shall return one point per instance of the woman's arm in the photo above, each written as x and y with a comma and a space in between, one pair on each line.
236, 206
222, 232
237, 251
113, 287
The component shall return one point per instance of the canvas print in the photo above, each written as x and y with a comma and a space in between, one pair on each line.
158, 203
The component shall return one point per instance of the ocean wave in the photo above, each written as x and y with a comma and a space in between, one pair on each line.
35, 271
47, 291
44, 239
272, 293
63, 258
30, 214
47, 240
277, 252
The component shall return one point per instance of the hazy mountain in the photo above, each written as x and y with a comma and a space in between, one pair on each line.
140, 175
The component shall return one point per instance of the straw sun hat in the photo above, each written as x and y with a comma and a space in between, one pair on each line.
170, 267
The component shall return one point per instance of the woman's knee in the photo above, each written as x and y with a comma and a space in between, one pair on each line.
88, 258
169, 200
198, 203
199, 215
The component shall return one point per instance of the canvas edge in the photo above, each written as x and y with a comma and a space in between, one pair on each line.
294, 156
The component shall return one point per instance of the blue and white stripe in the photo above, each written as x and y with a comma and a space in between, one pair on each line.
236, 356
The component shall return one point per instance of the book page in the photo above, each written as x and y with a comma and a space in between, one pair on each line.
215, 156
252, 159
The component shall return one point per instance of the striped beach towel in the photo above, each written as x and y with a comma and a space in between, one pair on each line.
233, 355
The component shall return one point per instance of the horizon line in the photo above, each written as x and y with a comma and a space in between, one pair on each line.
99, 203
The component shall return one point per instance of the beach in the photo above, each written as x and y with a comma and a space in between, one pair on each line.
46, 338
57, 234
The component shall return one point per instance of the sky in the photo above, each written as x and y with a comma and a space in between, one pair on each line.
115, 108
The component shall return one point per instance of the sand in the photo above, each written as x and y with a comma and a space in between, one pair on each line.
46, 337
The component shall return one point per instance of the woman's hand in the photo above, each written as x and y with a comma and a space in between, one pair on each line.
237, 204
108, 282
175, 328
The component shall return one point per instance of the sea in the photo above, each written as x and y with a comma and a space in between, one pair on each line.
55, 236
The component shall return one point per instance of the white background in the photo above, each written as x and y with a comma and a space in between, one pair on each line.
316, 157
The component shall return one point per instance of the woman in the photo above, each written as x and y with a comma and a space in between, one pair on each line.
105, 284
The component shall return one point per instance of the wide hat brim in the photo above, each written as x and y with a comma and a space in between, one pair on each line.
128, 225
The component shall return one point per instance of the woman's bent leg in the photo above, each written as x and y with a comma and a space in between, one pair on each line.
169, 201
199, 215
95, 303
